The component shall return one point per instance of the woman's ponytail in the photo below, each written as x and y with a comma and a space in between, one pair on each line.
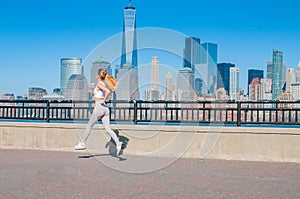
111, 82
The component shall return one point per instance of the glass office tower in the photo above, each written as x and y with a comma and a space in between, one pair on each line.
129, 55
277, 80
129, 41
223, 76
208, 66
191, 52
69, 67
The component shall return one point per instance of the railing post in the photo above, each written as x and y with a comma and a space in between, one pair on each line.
134, 112
47, 111
238, 122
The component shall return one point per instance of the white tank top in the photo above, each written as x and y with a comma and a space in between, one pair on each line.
99, 93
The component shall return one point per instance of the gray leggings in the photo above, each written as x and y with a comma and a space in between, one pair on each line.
100, 111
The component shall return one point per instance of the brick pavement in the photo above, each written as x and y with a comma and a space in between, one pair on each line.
50, 174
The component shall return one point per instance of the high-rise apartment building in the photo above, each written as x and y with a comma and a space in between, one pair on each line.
234, 83
254, 73
223, 76
255, 89
266, 84
154, 90
154, 73
289, 79
277, 74
69, 67
168, 87
191, 52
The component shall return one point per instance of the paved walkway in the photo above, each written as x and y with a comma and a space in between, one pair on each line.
35, 174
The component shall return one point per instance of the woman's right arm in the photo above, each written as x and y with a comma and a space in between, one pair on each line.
92, 87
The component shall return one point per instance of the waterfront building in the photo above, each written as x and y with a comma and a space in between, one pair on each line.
223, 75
254, 73
277, 74
36, 93
234, 83
69, 67
7, 96
56, 91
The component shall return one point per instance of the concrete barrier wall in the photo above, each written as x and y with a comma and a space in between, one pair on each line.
232, 143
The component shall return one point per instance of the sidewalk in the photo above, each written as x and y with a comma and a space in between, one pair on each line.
51, 174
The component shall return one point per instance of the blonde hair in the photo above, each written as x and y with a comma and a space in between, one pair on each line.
111, 82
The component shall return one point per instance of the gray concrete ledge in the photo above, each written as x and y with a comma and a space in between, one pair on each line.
231, 143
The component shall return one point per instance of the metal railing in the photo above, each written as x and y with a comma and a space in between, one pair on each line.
220, 112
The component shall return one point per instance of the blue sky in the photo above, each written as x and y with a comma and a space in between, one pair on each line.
35, 35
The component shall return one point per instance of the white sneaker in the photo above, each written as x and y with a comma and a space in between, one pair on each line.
119, 147
80, 146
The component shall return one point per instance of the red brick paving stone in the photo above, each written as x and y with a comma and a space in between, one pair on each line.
49, 174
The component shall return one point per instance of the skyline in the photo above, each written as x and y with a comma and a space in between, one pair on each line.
35, 34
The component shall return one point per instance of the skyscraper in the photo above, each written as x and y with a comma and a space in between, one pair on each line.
69, 67
269, 70
185, 83
208, 67
129, 59
277, 78
198, 85
191, 52
289, 79
254, 73
77, 88
154, 90
266, 88
154, 73
234, 83
100, 64
223, 76
255, 89
168, 87
129, 40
